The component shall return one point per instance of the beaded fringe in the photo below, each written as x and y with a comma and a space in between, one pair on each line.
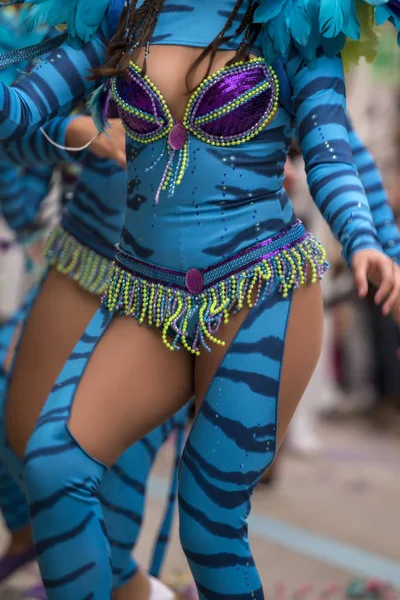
174, 311
71, 258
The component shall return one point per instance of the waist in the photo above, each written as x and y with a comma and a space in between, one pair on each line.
189, 307
195, 279
88, 237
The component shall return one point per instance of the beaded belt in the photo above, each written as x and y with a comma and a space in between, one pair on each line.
200, 300
78, 261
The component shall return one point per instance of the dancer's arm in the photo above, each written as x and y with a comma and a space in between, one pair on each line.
53, 87
321, 121
382, 213
66, 132
320, 108
34, 148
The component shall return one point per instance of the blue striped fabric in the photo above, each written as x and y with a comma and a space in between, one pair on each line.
230, 198
382, 213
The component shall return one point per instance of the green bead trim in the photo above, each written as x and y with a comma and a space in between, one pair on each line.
78, 262
170, 309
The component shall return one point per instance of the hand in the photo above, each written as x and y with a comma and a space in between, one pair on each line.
106, 145
376, 267
112, 143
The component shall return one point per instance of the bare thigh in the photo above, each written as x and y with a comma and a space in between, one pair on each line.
303, 342
58, 318
131, 385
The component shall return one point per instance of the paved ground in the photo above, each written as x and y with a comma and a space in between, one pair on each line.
326, 520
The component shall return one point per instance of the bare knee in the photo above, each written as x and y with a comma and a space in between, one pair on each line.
55, 464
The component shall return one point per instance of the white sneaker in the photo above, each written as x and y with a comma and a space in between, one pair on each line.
302, 438
159, 591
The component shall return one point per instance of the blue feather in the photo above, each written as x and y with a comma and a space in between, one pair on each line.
323, 24
267, 47
333, 15
279, 32
98, 107
387, 13
376, 2
299, 25
351, 26
82, 17
381, 14
333, 46
12, 38
266, 11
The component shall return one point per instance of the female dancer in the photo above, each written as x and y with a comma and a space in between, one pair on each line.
197, 252
78, 274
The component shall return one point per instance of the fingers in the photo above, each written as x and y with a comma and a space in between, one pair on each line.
121, 159
386, 272
360, 277
392, 303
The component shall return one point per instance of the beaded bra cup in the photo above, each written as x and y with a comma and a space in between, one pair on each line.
228, 108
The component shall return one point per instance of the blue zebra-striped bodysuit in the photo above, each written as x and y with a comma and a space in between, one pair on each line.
85, 241
193, 249
21, 192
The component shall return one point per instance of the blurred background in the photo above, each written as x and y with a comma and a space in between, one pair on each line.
326, 519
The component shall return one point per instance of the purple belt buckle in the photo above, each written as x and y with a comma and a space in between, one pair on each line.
194, 281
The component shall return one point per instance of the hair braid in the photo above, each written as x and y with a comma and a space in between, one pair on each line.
136, 29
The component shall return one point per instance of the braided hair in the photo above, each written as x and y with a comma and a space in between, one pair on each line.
137, 25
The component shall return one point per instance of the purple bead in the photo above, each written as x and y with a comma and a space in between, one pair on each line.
194, 281
178, 136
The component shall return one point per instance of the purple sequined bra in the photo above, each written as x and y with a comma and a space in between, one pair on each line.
228, 108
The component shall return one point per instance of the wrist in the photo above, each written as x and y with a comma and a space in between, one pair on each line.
80, 131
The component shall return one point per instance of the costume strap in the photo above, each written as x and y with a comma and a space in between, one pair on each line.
31, 52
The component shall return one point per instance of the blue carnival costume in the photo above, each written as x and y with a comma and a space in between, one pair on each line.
82, 248
193, 250
21, 193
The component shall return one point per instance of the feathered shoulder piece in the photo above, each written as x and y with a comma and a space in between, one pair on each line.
82, 18
347, 26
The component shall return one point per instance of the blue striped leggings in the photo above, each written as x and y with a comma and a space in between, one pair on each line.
231, 444
122, 491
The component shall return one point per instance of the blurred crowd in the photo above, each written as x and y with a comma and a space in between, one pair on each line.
358, 376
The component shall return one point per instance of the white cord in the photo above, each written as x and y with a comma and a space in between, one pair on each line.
48, 138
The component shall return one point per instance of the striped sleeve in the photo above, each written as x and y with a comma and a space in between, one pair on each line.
55, 85
320, 110
384, 221
21, 194
35, 149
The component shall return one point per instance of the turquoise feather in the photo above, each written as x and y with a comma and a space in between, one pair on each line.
333, 15
280, 33
82, 17
12, 38
324, 24
351, 25
376, 2
267, 11
97, 108
300, 25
